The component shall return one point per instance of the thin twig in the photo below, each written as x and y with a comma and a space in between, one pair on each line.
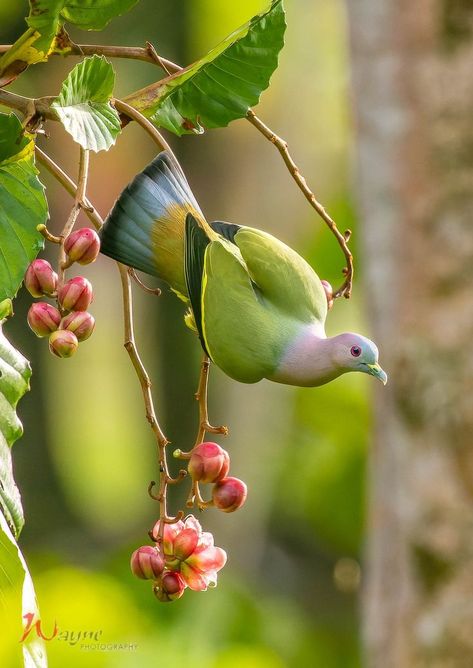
29, 106
69, 185
146, 288
43, 230
160, 61
138, 365
135, 115
195, 498
202, 397
78, 204
345, 289
145, 382
131, 52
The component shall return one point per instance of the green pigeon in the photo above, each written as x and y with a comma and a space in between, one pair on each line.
258, 307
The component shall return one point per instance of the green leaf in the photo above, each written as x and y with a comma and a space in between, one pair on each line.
45, 34
23, 205
44, 19
84, 105
223, 85
95, 14
15, 375
17, 599
37, 42
12, 141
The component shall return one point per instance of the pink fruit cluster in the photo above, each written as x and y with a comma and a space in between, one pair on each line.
70, 323
209, 463
183, 556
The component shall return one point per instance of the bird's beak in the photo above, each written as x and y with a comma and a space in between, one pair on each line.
376, 371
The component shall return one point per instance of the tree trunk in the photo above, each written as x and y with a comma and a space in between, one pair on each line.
413, 85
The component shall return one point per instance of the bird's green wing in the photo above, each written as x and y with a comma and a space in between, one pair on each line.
196, 242
244, 336
283, 276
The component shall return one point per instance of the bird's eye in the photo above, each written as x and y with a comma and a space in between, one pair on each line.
355, 351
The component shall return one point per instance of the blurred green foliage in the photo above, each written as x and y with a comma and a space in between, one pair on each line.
87, 455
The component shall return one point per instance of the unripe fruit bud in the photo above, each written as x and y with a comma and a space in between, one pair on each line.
147, 563
40, 279
76, 294
328, 293
185, 543
82, 323
229, 494
170, 587
209, 463
43, 318
63, 343
82, 246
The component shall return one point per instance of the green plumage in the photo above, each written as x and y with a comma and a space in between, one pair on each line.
258, 307
268, 290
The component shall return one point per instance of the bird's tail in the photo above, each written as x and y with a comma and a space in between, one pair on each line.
145, 228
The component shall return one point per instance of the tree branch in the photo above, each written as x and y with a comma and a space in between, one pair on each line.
69, 185
143, 286
28, 106
201, 396
71, 221
345, 289
145, 382
41, 107
133, 114
145, 54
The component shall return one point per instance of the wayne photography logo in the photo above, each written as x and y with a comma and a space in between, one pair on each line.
85, 640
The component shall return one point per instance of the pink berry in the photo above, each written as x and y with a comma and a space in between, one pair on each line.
82, 246
43, 318
229, 494
82, 323
147, 563
170, 587
76, 294
209, 463
185, 543
40, 279
63, 343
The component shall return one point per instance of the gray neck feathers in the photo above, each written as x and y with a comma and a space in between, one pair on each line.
310, 359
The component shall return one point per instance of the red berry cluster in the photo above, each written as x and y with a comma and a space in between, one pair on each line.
209, 463
69, 323
183, 556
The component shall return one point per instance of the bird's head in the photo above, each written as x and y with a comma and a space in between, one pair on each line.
353, 352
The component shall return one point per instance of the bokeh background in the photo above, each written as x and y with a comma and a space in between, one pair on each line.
290, 593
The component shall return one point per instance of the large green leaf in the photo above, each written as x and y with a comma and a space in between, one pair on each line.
84, 105
94, 14
223, 85
23, 205
15, 375
45, 34
16, 600
44, 20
